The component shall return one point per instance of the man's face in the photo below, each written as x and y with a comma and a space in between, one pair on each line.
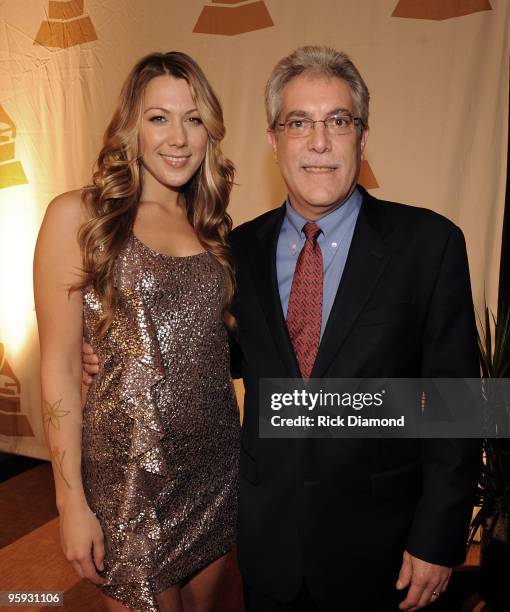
321, 169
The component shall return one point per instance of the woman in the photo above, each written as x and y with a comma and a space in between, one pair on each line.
146, 475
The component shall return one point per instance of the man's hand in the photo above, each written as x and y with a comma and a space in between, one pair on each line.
90, 363
426, 582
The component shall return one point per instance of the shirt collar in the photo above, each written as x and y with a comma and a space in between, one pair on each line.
330, 224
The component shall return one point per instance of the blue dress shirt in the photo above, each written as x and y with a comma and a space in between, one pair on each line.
334, 240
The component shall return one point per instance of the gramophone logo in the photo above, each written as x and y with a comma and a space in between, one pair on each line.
438, 10
11, 171
12, 422
366, 177
67, 25
231, 17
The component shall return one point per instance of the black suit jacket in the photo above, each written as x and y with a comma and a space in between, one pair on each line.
340, 513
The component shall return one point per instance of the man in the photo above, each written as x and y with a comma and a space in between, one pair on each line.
337, 284
335, 523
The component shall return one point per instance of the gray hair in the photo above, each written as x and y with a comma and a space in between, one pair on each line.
315, 60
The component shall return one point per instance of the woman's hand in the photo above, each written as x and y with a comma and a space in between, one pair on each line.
82, 541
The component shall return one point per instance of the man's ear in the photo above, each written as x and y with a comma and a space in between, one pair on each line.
272, 140
363, 140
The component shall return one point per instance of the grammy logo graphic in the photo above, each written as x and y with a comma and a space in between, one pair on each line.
366, 176
12, 422
234, 17
439, 10
11, 171
67, 25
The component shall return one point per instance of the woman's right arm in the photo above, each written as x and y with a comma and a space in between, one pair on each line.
57, 266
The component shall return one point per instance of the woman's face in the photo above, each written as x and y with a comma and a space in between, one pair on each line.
172, 139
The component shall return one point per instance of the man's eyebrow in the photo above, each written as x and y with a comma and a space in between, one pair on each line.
166, 111
336, 111
341, 111
296, 113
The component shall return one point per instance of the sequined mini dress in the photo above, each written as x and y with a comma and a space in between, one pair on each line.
160, 435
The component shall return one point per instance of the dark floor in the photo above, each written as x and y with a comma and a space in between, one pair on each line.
11, 465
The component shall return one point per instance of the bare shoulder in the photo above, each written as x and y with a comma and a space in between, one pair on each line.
66, 211
57, 250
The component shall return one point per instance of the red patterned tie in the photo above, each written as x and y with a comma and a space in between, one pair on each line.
304, 314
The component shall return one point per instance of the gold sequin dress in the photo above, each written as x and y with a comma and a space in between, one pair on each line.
160, 437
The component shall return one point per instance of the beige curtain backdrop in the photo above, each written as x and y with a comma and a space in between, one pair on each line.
438, 75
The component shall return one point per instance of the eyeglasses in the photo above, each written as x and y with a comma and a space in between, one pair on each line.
335, 125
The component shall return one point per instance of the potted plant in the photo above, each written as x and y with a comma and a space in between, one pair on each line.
493, 493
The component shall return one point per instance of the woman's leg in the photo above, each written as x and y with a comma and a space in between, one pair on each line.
113, 605
198, 593
168, 601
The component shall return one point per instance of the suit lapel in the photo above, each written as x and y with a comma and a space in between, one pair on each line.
366, 261
263, 269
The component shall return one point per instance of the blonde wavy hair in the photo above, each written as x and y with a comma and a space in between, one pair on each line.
112, 199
